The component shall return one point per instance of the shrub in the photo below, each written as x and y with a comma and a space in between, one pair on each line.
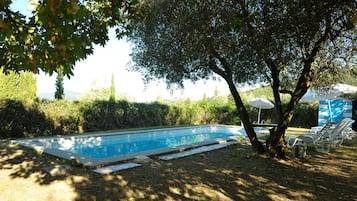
23, 119
40, 118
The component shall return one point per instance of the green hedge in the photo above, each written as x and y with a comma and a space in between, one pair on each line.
43, 118
19, 119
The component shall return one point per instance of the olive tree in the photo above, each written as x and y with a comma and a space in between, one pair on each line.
287, 44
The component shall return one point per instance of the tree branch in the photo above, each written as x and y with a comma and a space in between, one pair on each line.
226, 72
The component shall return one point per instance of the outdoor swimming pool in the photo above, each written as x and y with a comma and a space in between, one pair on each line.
96, 149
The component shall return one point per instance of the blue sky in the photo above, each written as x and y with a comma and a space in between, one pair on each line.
97, 69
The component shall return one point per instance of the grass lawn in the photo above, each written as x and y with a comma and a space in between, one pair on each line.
232, 173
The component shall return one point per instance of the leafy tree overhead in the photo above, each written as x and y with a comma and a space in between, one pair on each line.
59, 33
345, 75
299, 44
287, 44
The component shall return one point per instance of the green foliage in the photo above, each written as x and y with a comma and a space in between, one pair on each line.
59, 33
103, 94
27, 87
41, 118
96, 94
112, 89
267, 44
59, 93
23, 119
348, 75
9, 85
19, 86
290, 44
261, 92
191, 39
305, 115
65, 115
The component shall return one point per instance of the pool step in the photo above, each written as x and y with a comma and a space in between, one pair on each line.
196, 151
113, 168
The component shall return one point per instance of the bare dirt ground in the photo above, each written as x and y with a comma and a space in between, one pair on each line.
232, 173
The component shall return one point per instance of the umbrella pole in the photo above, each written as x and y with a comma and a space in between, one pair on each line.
330, 111
259, 115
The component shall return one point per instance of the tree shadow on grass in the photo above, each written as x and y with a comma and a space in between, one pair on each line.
233, 173
25, 163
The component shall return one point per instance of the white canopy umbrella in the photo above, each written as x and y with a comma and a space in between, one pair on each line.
334, 91
344, 88
261, 103
316, 95
329, 92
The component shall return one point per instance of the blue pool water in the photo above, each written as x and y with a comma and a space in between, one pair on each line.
121, 145
103, 148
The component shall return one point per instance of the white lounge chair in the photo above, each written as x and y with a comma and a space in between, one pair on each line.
349, 134
329, 135
341, 131
319, 139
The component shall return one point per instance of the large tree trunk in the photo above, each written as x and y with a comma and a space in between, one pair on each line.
256, 144
226, 74
276, 143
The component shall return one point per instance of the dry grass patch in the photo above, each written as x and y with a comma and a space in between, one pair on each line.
232, 173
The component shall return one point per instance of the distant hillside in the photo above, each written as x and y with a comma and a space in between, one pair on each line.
262, 92
69, 95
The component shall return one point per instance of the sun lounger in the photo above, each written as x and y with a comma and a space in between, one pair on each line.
319, 139
342, 131
349, 134
329, 135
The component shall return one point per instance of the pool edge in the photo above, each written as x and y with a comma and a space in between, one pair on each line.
95, 162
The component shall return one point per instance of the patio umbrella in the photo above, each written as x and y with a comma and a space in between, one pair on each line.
329, 92
261, 103
334, 91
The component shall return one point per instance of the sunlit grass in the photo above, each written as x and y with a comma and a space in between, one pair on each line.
297, 131
290, 131
233, 173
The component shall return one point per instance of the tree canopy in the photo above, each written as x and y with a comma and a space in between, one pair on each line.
59, 33
179, 42
290, 45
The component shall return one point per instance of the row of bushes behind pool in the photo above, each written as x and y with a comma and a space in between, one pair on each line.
44, 118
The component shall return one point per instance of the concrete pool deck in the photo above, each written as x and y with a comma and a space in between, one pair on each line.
196, 151
136, 163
